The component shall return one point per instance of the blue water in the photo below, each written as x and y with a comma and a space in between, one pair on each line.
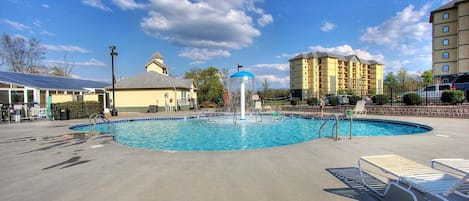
201, 135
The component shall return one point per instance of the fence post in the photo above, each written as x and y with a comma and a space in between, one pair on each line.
392, 98
426, 96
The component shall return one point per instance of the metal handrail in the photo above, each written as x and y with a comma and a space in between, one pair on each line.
95, 117
336, 126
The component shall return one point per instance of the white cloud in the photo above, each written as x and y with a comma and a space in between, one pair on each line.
128, 4
67, 48
328, 26
90, 62
269, 67
96, 4
287, 56
407, 25
275, 81
206, 24
203, 53
265, 20
45, 5
16, 25
348, 50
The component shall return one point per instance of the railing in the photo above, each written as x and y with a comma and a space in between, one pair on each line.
93, 120
336, 125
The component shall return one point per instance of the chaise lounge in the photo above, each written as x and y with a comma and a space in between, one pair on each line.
411, 176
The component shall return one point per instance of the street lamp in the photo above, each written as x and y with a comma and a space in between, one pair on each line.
113, 109
239, 66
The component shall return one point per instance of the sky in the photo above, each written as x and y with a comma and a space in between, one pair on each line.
260, 35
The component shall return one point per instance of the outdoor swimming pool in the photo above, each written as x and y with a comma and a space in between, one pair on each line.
194, 134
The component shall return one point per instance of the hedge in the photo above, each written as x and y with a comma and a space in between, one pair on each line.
312, 101
76, 110
452, 97
412, 99
380, 99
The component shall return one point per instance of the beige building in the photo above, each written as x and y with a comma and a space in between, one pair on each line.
316, 74
154, 88
450, 33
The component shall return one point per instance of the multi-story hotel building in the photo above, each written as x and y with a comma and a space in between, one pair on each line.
450, 33
317, 74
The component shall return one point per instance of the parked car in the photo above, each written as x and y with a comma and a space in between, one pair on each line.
462, 83
431, 93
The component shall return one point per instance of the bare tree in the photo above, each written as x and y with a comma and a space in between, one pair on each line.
62, 69
21, 55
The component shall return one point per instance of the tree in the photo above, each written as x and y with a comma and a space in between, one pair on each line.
427, 77
267, 92
62, 69
208, 83
21, 55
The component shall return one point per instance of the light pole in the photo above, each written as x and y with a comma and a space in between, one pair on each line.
239, 66
113, 109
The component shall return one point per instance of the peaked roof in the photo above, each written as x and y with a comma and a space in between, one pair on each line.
446, 6
332, 55
156, 55
152, 80
49, 82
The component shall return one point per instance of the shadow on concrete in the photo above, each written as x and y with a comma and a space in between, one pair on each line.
68, 163
351, 177
46, 148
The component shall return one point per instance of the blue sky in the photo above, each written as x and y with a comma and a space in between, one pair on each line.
261, 35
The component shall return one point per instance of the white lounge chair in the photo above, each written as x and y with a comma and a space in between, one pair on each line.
457, 164
358, 110
411, 176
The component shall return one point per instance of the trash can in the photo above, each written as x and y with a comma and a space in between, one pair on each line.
17, 115
64, 114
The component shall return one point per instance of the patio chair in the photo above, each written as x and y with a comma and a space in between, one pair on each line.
457, 164
359, 109
412, 176
257, 106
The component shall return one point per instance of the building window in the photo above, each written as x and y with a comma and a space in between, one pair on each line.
445, 42
445, 68
445, 15
445, 55
445, 29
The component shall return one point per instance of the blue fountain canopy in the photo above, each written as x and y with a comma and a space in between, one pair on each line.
242, 74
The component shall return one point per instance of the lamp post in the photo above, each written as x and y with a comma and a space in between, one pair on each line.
113, 109
239, 66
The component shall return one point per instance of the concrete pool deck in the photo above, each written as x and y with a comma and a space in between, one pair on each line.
37, 163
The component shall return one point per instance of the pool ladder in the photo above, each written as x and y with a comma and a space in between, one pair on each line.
336, 126
93, 120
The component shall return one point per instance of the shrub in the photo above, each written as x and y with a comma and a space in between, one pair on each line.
452, 96
76, 109
294, 102
353, 99
333, 100
412, 99
312, 101
380, 99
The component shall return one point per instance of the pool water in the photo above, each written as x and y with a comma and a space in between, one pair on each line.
202, 135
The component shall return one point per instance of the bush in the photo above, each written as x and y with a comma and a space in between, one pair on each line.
412, 99
380, 99
293, 102
333, 100
452, 96
353, 99
77, 110
312, 101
